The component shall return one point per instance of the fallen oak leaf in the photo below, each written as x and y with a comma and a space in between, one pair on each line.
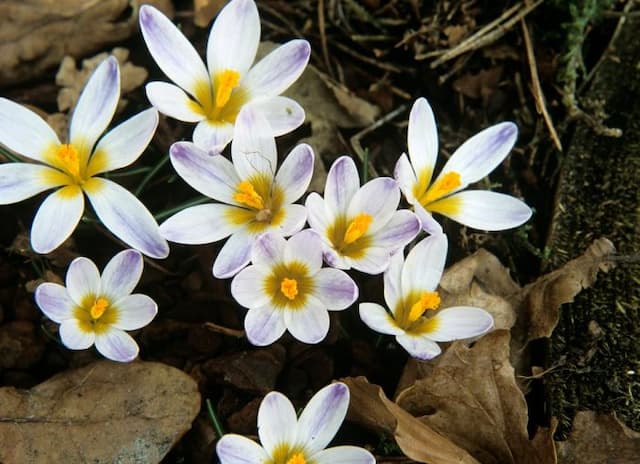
104, 412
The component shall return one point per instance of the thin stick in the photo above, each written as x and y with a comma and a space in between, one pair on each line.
323, 39
224, 330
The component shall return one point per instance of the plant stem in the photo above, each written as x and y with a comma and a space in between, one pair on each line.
214, 419
175, 209
150, 175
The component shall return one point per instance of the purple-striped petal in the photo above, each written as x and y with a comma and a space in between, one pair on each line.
82, 280
264, 325
253, 150
200, 224
134, 311
121, 274
284, 114
268, 250
19, 181
419, 347
276, 422
393, 281
293, 221
172, 101
398, 231
237, 449
342, 184
57, 218
429, 224
335, 289
422, 139
305, 247
459, 322
54, 301
73, 336
310, 323
126, 217
386, 193
295, 172
423, 267
247, 287
344, 455
117, 345
406, 178
322, 417
212, 136
274, 73
374, 261
317, 213
234, 255
378, 319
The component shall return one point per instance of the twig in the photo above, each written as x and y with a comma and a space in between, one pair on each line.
323, 38
536, 88
224, 330
372, 61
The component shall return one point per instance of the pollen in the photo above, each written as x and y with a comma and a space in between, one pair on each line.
226, 81
297, 458
247, 195
99, 307
289, 288
428, 300
449, 182
357, 228
68, 155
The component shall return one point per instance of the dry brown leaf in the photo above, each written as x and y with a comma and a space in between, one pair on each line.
37, 34
472, 398
480, 85
370, 407
205, 10
102, 413
599, 438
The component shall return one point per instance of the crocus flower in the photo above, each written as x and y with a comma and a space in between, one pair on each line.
286, 288
472, 161
287, 439
360, 226
255, 198
410, 293
213, 96
96, 308
74, 166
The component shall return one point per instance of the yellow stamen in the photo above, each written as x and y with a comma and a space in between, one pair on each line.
357, 228
99, 307
70, 159
428, 300
247, 195
289, 288
297, 458
226, 81
448, 183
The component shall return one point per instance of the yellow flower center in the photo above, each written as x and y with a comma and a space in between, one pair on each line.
98, 308
289, 288
247, 195
357, 228
68, 155
297, 458
428, 300
226, 81
447, 184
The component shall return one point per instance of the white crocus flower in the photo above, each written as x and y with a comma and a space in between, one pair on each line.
74, 166
96, 308
286, 288
287, 439
360, 226
410, 293
472, 161
254, 197
213, 95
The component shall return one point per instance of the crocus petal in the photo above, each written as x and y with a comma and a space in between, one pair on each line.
253, 150
117, 345
73, 336
237, 449
247, 288
393, 281
406, 178
398, 231
342, 184
274, 73
234, 255
82, 279
317, 215
200, 224
344, 455
374, 261
54, 301
134, 311
125, 143
121, 275
276, 418
295, 172
309, 324
483, 210
419, 347
322, 417
423, 267
264, 325
213, 176
19, 181
172, 51
378, 319
284, 114
171, 100
480, 154
213, 137
268, 250
422, 139
429, 224
305, 247
387, 196
57, 218
126, 217
459, 322
96, 106
293, 221
24, 132
233, 41
334, 259
335, 289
